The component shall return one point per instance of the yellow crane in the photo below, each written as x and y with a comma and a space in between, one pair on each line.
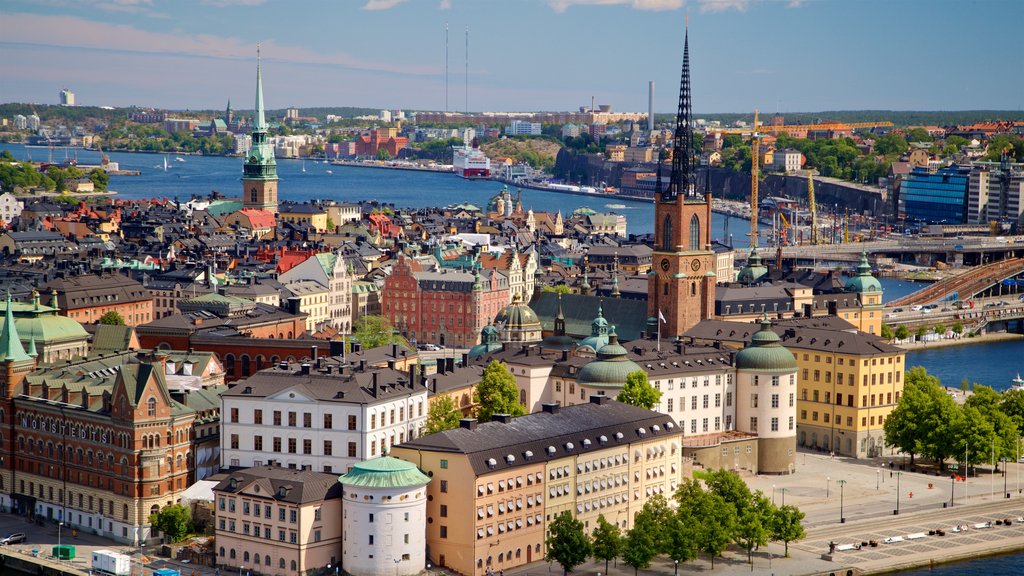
769, 129
813, 207
755, 175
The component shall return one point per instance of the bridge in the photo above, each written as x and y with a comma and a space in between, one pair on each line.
993, 279
924, 251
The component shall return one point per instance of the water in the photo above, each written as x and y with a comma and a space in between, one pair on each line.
1005, 564
993, 364
893, 288
199, 175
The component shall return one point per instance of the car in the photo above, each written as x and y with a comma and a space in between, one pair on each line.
898, 311
14, 538
429, 347
917, 308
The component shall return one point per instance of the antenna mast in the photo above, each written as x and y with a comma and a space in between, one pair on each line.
467, 70
446, 67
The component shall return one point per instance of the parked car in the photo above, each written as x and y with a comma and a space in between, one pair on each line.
897, 311
15, 538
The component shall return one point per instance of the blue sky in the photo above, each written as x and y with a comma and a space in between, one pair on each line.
790, 55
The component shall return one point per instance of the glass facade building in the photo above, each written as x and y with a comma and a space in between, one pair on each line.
936, 197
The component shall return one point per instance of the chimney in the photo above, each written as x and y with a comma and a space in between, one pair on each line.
391, 364
451, 364
503, 418
313, 353
412, 376
599, 400
468, 423
679, 346
373, 381
551, 407
465, 358
160, 359
650, 106
394, 350
357, 347
565, 355
362, 364
305, 368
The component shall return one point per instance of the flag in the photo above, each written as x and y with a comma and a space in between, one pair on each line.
662, 317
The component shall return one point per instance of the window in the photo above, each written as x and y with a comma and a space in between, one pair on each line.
292, 418
775, 424
307, 420
444, 510
790, 422
666, 235
728, 398
234, 441
292, 445
328, 448
753, 400
329, 422
234, 415
669, 405
277, 417
257, 443
351, 422
151, 407
257, 416
371, 539
775, 400
307, 446
444, 486
293, 516
753, 423
351, 449
277, 443
444, 531
370, 518
444, 463
694, 233
792, 399
718, 400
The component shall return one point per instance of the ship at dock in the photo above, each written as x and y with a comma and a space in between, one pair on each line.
471, 162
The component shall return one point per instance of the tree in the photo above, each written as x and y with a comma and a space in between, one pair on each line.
173, 520
567, 544
641, 545
1004, 427
373, 331
607, 541
383, 154
112, 318
497, 393
886, 332
939, 329
902, 333
918, 135
100, 178
926, 420
330, 224
442, 415
786, 525
557, 289
1012, 404
638, 391
891, 144
731, 488
752, 524
684, 530
921, 332
958, 327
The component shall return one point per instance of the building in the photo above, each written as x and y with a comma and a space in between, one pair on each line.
304, 213
259, 174
521, 128
936, 197
448, 308
682, 289
323, 415
44, 332
10, 208
86, 298
329, 270
278, 521
787, 160
309, 298
495, 487
372, 142
995, 193
260, 224
570, 131
385, 513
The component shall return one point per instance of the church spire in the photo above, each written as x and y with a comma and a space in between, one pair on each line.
11, 349
259, 123
683, 178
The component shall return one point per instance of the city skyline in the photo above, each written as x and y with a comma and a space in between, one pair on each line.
775, 55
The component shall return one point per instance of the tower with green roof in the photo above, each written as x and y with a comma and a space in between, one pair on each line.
868, 291
15, 363
259, 175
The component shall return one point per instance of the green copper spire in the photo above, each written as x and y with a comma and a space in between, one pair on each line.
11, 349
259, 123
615, 277
32, 347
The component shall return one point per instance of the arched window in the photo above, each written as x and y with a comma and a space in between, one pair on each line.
245, 556
294, 566
151, 406
221, 552
281, 564
229, 364
232, 554
666, 233
245, 365
266, 559
693, 289
694, 233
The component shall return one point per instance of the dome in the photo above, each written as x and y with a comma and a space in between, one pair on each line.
41, 323
765, 353
598, 332
863, 281
490, 341
611, 366
384, 472
753, 271
518, 322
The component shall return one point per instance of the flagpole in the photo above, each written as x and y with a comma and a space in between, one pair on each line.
659, 330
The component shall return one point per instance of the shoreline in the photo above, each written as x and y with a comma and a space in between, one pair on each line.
965, 341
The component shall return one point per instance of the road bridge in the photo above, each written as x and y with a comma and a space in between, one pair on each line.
995, 279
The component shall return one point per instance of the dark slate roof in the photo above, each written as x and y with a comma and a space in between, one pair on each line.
92, 290
446, 281
282, 484
353, 387
824, 337
584, 427
629, 316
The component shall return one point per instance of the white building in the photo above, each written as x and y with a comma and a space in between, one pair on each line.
323, 417
67, 97
467, 134
33, 122
521, 128
243, 143
384, 518
385, 115
788, 159
20, 122
312, 299
10, 207
329, 271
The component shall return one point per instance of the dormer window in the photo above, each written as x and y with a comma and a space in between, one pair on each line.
151, 406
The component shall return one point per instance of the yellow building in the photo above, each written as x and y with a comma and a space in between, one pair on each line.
304, 213
311, 298
497, 485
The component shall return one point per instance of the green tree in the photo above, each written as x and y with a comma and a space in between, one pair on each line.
787, 525
557, 288
753, 524
926, 420
1004, 427
112, 318
685, 528
442, 415
958, 327
497, 393
1012, 404
886, 332
567, 543
330, 224
918, 135
891, 144
939, 328
730, 487
638, 391
641, 544
373, 331
607, 541
173, 520
383, 154
902, 333
921, 332
100, 179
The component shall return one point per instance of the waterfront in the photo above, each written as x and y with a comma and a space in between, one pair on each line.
1002, 564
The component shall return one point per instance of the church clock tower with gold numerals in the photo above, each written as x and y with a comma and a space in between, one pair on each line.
259, 175
681, 284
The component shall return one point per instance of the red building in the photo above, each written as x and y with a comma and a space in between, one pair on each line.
370, 143
448, 307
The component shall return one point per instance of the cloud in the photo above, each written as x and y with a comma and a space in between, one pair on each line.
653, 5
228, 3
70, 32
445, 5
712, 6
381, 4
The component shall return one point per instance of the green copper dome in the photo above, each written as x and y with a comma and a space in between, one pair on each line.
611, 366
753, 271
41, 324
598, 332
490, 341
384, 472
765, 353
863, 281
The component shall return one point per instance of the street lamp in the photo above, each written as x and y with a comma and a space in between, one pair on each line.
896, 512
397, 560
828, 479
676, 572
878, 476
952, 488
60, 550
842, 484
783, 492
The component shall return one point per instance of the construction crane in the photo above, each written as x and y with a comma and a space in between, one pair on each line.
783, 230
755, 175
813, 206
767, 128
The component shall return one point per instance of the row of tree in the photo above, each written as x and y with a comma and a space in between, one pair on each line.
902, 332
928, 422
24, 175
707, 518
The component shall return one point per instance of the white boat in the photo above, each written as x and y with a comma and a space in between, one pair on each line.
471, 162
615, 206
303, 165
179, 159
330, 171
165, 163
1017, 383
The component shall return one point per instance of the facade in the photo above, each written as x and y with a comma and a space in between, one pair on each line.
259, 223
682, 288
521, 128
385, 513
310, 298
995, 193
259, 174
304, 213
936, 197
447, 307
496, 486
10, 208
51, 336
325, 417
86, 298
277, 521
788, 160
329, 270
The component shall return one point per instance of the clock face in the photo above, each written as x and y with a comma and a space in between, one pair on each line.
695, 265
665, 264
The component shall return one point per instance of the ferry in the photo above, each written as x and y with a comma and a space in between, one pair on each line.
1017, 383
471, 162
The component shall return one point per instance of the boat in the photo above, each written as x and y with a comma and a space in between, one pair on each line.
165, 163
330, 171
471, 162
615, 206
179, 159
1017, 383
303, 165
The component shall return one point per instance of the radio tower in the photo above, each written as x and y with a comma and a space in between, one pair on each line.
467, 70
446, 67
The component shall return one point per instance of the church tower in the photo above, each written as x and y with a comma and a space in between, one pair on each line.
681, 284
259, 176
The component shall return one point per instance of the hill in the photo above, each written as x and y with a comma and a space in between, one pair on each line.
538, 152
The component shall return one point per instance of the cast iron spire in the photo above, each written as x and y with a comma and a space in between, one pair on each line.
683, 177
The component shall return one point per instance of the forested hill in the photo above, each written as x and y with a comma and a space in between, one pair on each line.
897, 117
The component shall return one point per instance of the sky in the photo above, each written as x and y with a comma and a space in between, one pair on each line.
524, 55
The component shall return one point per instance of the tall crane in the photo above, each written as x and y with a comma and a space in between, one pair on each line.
813, 206
755, 175
767, 128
